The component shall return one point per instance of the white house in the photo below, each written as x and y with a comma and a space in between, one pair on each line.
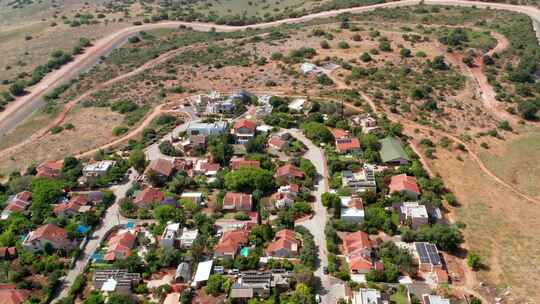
188, 237
97, 169
367, 296
203, 273
297, 104
170, 235
352, 209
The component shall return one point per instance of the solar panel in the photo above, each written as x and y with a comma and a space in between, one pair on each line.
433, 254
422, 252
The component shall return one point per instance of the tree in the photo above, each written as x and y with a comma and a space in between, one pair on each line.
250, 179
44, 192
137, 160
302, 295
117, 298
220, 149
216, 284
474, 260
256, 144
365, 57
166, 213
317, 132
405, 52
528, 109
329, 199
17, 88
439, 63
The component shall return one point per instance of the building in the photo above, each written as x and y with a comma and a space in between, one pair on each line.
299, 104
288, 172
196, 197
119, 246
360, 181
162, 168
17, 203
200, 128
348, 145
148, 197
357, 243
282, 200
285, 245
183, 273
292, 189
222, 106
188, 237
206, 168
10, 295
47, 234
8, 253
244, 130
392, 152
367, 296
412, 213
427, 256
230, 243
115, 280
203, 273
237, 163
234, 201
367, 122
72, 207
405, 184
97, 169
276, 143
310, 69
51, 169
434, 299
170, 235
352, 210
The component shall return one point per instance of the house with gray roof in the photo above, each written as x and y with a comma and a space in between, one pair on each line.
392, 151
203, 128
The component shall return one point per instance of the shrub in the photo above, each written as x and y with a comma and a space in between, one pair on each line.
365, 57
17, 88
343, 45
134, 39
56, 129
325, 44
474, 261
421, 54
119, 130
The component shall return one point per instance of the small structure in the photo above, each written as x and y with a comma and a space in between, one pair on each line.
214, 128
170, 235
234, 201
230, 243
434, 299
206, 168
282, 200
17, 203
254, 283
285, 245
412, 213
49, 169
97, 169
310, 69
203, 273
427, 256
148, 197
367, 296
392, 152
405, 184
47, 234
115, 280
196, 197
183, 273
352, 209
348, 145
72, 207
360, 181
244, 130
288, 172
241, 163
188, 237
298, 104
161, 168
119, 246
276, 143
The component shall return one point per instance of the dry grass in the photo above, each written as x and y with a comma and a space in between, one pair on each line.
92, 128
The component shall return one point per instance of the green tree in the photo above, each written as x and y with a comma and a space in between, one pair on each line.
474, 260
216, 284
250, 179
317, 132
117, 298
17, 88
44, 193
137, 160
302, 295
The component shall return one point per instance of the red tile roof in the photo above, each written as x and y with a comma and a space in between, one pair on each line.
354, 243
402, 182
149, 196
289, 170
13, 296
120, 245
81, 200
51, 233
245, 123
231, 241
356, 202
240, 162
284, 239
49, 169
20, 202
162, 166
347, 145
339, 133
276, 142
237, 201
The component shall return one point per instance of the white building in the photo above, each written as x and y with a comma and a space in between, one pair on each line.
367, 296
433, 299
414, 213
188, 237
310, 68
297, 104
203, 273
360, 181
196, 197
97, 169
213, 128
170, 235
352, 210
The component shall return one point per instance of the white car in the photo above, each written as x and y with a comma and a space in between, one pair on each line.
317, 298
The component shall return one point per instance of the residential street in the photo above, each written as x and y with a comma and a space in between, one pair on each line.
333, 289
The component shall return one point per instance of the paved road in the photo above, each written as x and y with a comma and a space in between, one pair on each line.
111, 219
23, 107
332, 288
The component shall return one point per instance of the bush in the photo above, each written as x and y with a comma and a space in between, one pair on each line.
343, 45
474, 261
324, 80
17, 88
325, 44
365, 57
56, 129
134, 39
119, 130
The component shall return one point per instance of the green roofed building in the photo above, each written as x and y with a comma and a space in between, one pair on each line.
392, 151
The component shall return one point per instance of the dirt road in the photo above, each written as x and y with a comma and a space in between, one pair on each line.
23, 107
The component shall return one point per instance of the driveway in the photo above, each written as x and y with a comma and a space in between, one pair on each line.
332, 288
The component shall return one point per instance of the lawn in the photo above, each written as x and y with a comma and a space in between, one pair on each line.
399, 298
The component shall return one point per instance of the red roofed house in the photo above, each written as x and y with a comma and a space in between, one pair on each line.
244, 130
404, 183
52, 234
234, 201
49, 169
119, 246
339, 133
72, 207
148, 197
288, 172
285, 245
282, 200
162, 168
348, 145
11, 295
205, 167
240, 163
230, 243
275, 142
357, 247
17, 203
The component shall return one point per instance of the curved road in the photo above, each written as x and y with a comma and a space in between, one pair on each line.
23, 107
